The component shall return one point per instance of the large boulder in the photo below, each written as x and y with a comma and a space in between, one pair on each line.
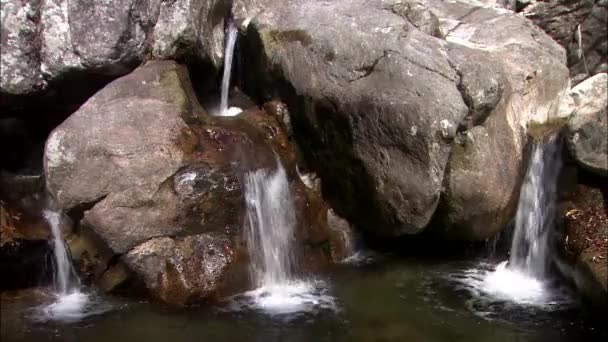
386, 96
45, 42
588, 124
158, 182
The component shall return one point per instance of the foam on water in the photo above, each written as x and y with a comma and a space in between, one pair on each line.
511, 284
71, 307
232, 111
291, 298
493, 290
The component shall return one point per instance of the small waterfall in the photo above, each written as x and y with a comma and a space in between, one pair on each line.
65, 278
231, 34
270, 235
71, 303
530, 247
523, 278
272, 221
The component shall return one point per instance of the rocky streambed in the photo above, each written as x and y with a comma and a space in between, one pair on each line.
402, 126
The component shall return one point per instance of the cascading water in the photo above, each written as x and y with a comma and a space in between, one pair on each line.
271, 223
536, 212
271, 219
231, 34
65, 278
523, 278
71, 304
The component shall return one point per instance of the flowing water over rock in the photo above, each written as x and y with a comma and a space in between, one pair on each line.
271, 223
524, 279
530, 249
65, 278
71, 304
231, 34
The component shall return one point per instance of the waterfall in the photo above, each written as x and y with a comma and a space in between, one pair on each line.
65, 278
271, 218
524, 277
231, 34
270, 234
536, 211
71, 303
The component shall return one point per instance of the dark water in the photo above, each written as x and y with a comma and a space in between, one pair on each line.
402, 300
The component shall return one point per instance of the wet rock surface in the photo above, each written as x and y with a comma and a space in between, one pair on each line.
181, 270
158, 184
383, 107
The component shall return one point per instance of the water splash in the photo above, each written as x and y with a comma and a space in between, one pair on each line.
270, 233
272, 220
231, 34
65, 278
71, 304
530, 248
524, 278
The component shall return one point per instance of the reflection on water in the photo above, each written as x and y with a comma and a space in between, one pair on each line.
403, 300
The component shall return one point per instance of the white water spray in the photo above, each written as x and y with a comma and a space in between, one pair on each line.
65, 277
270, 233
71, 304
530, 248
523, 279
271, 218
231, 34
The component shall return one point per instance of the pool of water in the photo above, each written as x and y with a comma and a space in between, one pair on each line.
389, 300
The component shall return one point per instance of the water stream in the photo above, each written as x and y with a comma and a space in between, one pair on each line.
524, 278
231, 34
271, 224
71, 303
534, 222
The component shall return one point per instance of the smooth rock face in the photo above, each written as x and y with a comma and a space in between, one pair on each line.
159, 183
47, 41
378, 104
588, 126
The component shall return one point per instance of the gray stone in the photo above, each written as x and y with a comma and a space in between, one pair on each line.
588, 50
47, 41
20, 62
377, 100
588, 125
558, 18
